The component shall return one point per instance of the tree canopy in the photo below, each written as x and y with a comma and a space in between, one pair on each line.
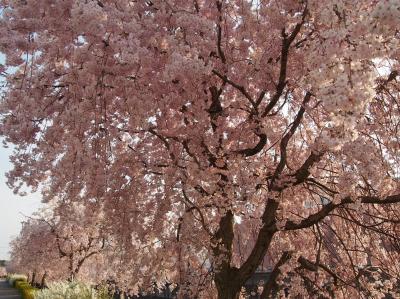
214, 137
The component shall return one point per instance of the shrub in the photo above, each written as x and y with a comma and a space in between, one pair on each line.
13, 278
20, 284
103, 293
27, 291
70, 290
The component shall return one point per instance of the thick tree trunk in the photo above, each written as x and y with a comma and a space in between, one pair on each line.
229, 280
227, 285
71, 268
228, 293
33, 278
225, 276
43, 283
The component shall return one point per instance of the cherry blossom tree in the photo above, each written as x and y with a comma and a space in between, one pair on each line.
3, 271
54, 246
212, 135
32, 252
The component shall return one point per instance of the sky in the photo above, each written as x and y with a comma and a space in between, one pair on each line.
12, 207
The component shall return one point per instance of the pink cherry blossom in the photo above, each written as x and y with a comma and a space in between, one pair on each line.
209, 139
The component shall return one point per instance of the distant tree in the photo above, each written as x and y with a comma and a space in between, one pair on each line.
33, 254
189, 124
3, 271
57, 246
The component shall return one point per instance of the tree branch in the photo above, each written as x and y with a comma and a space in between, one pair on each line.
287, 41
219, 33
285, 140
313, 267
269, 284
255, 150
263, 241
304, 171
237, 86
321, 214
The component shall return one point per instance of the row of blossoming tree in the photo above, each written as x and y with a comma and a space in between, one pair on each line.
190, 141
58, 246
